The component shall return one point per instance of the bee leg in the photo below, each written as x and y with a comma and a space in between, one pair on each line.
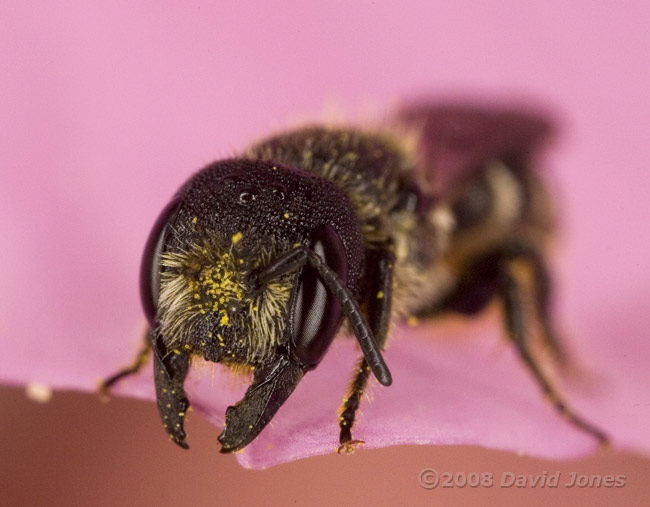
140, 360
272, 385
541, 299
170, 370
379, 307
516, 272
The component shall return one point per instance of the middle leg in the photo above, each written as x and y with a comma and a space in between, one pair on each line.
379, 308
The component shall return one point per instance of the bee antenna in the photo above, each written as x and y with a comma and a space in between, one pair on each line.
360, 326
300, 256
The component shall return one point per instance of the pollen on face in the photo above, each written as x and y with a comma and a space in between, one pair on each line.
208, 282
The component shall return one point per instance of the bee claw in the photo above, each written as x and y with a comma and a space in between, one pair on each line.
350, 446
104, 392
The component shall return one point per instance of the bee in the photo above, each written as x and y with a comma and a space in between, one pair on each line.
258, 260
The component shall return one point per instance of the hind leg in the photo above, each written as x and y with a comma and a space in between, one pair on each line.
518, 276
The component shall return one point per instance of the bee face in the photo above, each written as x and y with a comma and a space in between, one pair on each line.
231, 220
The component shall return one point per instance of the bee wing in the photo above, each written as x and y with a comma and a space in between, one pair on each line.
454, 139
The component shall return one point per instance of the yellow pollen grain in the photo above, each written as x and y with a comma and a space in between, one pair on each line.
224, 320
236, 238
286, 215
169, 405
177, 352
194, 220
187, 346
380, 294
412, 321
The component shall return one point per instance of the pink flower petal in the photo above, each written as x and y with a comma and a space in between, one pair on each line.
106, 109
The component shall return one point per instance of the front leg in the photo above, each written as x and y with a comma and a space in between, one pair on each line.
380, 265
170, 370
140, 360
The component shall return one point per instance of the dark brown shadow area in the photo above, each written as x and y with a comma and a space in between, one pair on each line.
75, 450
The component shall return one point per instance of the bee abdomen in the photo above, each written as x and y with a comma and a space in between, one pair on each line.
497, 194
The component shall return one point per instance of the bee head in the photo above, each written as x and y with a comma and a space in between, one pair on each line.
233, 219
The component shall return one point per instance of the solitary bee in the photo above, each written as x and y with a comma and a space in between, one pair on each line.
259, 259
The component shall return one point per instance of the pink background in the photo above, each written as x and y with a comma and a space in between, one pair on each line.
105, 108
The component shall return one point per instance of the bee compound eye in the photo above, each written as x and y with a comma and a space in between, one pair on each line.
150, 266
317, 312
